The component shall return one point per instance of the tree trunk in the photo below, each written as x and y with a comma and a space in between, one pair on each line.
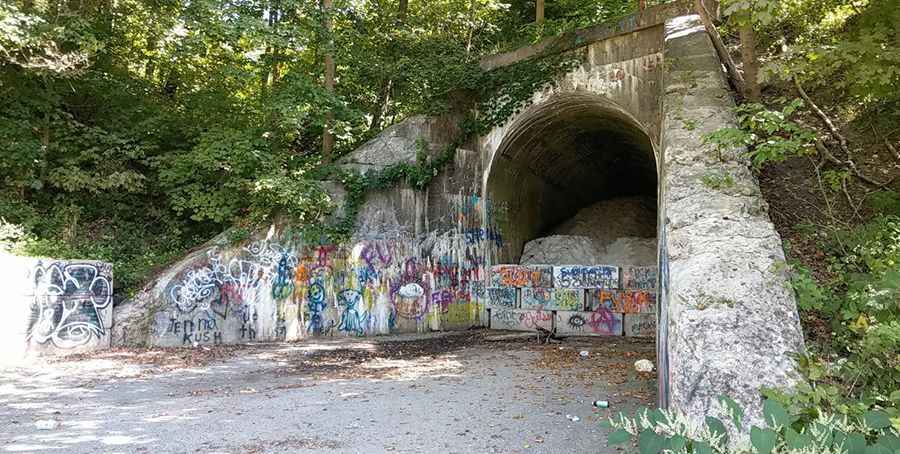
276, 51
750, 62
327, 136
150, 66
384, 92
539, 12
737, 80
642, 4
384, 100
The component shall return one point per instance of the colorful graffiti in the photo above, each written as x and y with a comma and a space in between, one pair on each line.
520, 320
640, 325
521, 276
72, 303
578, 276
639, 278
583, 300
556, 299
623, 301
361, 288
502, 297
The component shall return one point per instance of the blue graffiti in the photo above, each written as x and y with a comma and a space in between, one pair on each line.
315, 302
352, 321
283, 285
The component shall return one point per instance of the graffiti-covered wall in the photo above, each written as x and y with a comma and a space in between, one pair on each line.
597, 300
55, 306
281, 288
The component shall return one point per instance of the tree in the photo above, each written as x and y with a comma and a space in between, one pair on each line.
327, 135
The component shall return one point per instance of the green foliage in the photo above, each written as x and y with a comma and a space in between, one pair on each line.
137, 129
768, 135
504, 92
784, 432
716, 181
862, 304
845, 48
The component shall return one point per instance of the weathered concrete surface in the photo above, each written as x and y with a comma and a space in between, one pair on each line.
402, 142
574, 249
54, 306
631, 23
336, 396
626, 123
732, 319
278, 288
415, 263
608, 220
587, 138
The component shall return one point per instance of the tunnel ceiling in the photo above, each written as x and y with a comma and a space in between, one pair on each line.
584, 151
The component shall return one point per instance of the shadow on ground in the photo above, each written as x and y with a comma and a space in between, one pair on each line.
473, 391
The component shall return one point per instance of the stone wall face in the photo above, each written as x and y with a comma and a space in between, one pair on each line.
386, 279
575, 300
55, 306
278, 290
732, 319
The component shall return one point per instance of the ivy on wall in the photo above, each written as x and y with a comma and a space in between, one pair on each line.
502, 93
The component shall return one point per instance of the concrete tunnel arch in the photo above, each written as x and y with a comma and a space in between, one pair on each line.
562, 155
577, 148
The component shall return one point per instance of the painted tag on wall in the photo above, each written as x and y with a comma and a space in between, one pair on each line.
639, 278
640, 325
554, 299
71, 305
522, 276
520, 319
622, 301
593, 323
502, 297
580, 276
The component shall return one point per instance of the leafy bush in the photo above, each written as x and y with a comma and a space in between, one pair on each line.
768, 135
672, 432
862, 304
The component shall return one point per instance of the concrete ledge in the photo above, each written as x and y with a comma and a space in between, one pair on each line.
650, 17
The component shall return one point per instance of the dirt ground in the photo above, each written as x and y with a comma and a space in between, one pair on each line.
465, 392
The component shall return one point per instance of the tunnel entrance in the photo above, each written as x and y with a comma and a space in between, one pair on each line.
579, 167
573, 186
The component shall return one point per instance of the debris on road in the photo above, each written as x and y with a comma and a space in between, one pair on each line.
643, 365
46, 424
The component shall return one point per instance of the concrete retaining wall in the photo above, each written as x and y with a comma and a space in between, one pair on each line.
731, 317
279, 288
628, 122
54, 306
576, 300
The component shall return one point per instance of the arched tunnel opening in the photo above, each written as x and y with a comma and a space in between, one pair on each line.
573, 190
574, 181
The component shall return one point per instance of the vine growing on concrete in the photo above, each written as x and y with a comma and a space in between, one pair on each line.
501, 94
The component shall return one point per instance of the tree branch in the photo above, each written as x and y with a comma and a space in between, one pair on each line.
837, 135
834, 131
737, 80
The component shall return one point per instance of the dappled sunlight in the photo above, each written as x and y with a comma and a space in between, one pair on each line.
306, 389
419, 368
